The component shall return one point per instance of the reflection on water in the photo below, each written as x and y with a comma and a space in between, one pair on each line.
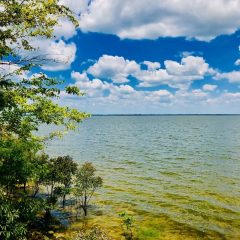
180, 175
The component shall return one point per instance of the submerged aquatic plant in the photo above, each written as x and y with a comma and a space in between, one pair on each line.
127, 225
95, 233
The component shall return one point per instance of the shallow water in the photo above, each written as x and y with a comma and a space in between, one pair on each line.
179, 175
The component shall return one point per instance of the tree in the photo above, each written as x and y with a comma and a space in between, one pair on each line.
15, 216
26, 103
52, 177
127, 225
16, 162
86, 184
21, 20
62, 192
64, 169
40, 171
11, 227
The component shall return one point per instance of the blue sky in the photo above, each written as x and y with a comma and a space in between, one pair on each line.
156, 56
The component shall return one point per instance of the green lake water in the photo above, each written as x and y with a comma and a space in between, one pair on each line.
178, 175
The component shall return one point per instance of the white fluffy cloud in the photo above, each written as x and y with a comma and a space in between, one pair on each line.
232, 77
98, 88
6, 68
64, 29
107, 93
189, 66
229, 97
237, 62
54, 55
77, 6
152, 65
209, 87
113, 67
139, 19
154, 78
107, 97
151, 102
193, 96
175, 74
126, 89
10, 70
159, 96
79, 77
62, 53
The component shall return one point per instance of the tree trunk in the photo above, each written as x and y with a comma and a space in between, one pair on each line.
64, 200
7, 189
52, 186
47, 218
84, 210
36, 190
24, 187
85, 206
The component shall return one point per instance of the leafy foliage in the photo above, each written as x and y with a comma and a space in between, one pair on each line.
86, 184
25, 104
40, 171
16, 162
29, 104
17, 210
63, 169
93, 234
11, 227
21, 20
127, 225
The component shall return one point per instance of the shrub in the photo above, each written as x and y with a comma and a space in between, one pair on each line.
95, 233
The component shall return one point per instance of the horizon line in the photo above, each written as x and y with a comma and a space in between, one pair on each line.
165, 114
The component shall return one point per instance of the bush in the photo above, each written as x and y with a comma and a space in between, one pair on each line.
11, 227
127, 225
93, 234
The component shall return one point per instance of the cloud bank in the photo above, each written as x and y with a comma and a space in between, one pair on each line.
139, 19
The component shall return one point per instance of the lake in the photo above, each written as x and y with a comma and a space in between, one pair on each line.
178, 175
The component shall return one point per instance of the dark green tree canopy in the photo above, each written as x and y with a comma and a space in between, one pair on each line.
22, 19
64, 168
86, 184
28, 101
